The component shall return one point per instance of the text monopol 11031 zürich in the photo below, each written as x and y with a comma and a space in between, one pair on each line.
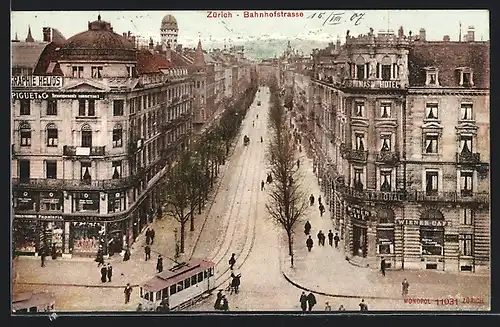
445, 301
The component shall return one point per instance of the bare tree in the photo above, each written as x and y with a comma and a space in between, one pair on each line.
288, 202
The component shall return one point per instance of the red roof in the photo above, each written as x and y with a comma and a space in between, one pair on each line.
47, 64
173, 276
148, 63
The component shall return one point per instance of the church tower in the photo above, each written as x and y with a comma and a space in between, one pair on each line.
169, 32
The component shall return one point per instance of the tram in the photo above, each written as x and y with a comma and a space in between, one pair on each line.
179, 287
33, 302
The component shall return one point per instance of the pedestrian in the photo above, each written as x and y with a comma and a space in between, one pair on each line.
262, 185
109, 272
147, 252
319, 199
257, 116
336, 239
311, 199
99, 257
159, 264
148, 236
42, 256
311, 301
126, 256
104, 273
152, 235
303, 301
225, 304
54, 251
235, 283
307, 228
261, 139
298, 163
139, 307
330, 237
363, 306
405, 287
341, 308
127, 292
320, 238
217, 305
382, 266
321, 209
253, 123
232, 261
309, 243
327, 306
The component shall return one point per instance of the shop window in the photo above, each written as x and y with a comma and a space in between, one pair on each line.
431, 183
431, 237
385, 110
386, 142
466, 111
24, 169
358, 179
385, 241
118, 107
466, 244
51, 169
431, 111
466, 183
25, 201
52, 107
52, 135
117, 137
25, 107
385, 180
116, 201
360, 142
431, 143
465, 144
24, 234
25, 131
77, 71
86, 237
85, 171
466, 216
87, 202
359, 109
96, 71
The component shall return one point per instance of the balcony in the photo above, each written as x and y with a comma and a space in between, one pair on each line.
372, 195
468, 158
77, 151
387, 157
353, 154
74, 184
463, 197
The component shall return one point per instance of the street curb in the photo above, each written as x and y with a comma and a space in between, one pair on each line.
76, 285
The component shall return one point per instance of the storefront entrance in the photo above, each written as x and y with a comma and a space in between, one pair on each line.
359, 244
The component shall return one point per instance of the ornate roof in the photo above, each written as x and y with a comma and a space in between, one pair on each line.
169, 22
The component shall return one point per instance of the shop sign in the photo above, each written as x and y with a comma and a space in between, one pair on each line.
38, 95
36, 81
358, 213
25, 197
376, 84
87, 198
430, 223
50, 217
25, 216
452, 238
84, 218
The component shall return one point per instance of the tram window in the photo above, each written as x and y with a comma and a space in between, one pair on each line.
22, 310
33, 309
200, 277
187, 282
164, 293
205, 273
180, 286
158, 296
193, 280
173, 289
146, 296
210, 272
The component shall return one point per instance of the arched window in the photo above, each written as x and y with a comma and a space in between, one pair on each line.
361, 68
86, 136
25, 131
432, 232
385, 216
117, 136
52, 134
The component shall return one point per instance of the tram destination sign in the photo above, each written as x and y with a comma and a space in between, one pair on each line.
422, 222
26, 95
36, 81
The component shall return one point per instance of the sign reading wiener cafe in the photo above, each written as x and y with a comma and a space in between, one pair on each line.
423, 222
358, 213
37, 95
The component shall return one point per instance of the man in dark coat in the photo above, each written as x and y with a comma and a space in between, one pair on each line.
336, 239
311, 301
262, 185
311, 199
363, 306
217, 305
303, 301
319, 199
330, 237
159, 264
104, 272
309, 243
148, 236
225, 304
126, 256
405, 287
42, 256
147, 251
235, 283
152, 235
232, 261
382, 266
307, 227
109, 272
127, 292
298, 163
321, 209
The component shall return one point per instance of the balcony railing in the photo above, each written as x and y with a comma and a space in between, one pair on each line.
72, 151
353, 154
76, 184
468, 158
372, 195
388, 157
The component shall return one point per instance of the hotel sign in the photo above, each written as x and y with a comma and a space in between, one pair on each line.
376, 84
430, 223
19, 95
36, 81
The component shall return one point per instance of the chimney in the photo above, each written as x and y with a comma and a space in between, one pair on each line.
124, 34
421, 34
134, 41
338, 44
446, 38
47, 34
470, 34
151, 44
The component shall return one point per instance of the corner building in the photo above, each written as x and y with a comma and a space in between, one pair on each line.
88, 156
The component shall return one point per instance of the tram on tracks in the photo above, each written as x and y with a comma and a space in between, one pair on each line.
179, 287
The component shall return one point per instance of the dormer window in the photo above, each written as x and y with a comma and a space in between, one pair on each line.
78, 71
96, 72
465, 77
431, 76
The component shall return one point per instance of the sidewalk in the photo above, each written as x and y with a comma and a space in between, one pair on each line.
326, 271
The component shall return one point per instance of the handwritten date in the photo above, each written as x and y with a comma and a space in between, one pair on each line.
335, 18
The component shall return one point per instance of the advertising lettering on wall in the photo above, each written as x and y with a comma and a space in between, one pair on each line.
367, 84
24, 197
38, 95
358, 213
36, 81
430, 223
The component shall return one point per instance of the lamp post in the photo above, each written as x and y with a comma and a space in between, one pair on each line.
177, 250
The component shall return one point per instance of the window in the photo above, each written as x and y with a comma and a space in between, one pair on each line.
432, 79
200, 277
432, 237
465, 242
173, 289
158, 296
51, 169
77, 71
385, 180
466, 79
386, 142
466, 111
52, 107
431, 183
466, 183
360, 146
465, 143
24, 169
81, 108
385, 240
85, 171
385, 216
180, 286
25, 107
52, 135
385, 110
386, 72
431, 111
359, 109
466, 216
360, 71
91, 107
86, 139
431, 143
117, 137
25, 131
194, 280
96, 72
358, 179
86, 108
117, 107
117, 169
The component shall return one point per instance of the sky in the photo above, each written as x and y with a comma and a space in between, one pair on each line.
194, 25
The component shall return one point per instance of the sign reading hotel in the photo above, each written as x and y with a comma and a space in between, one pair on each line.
415, 222
19, 95
36, 81
376, 84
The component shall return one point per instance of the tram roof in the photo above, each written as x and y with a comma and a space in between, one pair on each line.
176, 274
28, 300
